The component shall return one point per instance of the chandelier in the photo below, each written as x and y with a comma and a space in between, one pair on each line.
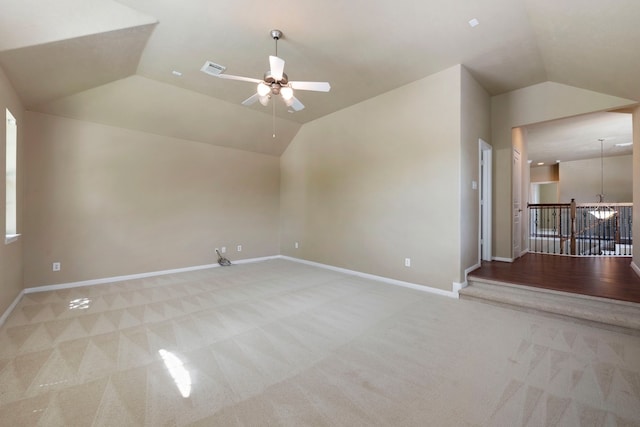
602, 212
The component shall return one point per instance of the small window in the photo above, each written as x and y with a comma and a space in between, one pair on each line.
12, 169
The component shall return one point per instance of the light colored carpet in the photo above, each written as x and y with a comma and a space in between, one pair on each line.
282, 343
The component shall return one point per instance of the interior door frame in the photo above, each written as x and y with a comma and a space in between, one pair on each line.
485, 172
516, 214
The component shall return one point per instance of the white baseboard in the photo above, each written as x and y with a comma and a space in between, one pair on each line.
501, 259
136, 276
44, 288
260, 259
472, 268
9, 309
635, 268
457, 286
387, 280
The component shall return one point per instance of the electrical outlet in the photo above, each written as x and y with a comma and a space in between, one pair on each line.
55, 266
223, 249
407, 262
239, 248
296, 245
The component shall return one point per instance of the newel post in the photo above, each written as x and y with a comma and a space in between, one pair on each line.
573, 226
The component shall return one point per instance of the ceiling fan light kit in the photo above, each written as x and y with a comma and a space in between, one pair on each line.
286, 92
274, 82
263, 89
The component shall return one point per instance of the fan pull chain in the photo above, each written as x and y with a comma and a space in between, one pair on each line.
273, 104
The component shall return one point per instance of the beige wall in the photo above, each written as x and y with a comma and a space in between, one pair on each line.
106, 201
378, 182
11, 255
534, 104
544, 173
475, 124
549, 192
363, 188
580, 180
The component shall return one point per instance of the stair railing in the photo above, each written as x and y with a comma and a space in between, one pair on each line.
585, 229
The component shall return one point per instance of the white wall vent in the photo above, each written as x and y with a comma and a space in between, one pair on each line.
213, 68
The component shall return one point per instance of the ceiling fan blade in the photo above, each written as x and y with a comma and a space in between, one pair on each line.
296, 105
251, 100
317, 86
277, 67
240, 78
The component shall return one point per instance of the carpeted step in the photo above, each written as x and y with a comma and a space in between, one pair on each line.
602, 310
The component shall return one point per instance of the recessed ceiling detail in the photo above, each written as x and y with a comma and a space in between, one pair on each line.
576, 138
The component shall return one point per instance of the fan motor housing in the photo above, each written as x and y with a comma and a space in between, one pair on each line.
269, 79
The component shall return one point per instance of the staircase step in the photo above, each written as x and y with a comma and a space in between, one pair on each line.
601, 310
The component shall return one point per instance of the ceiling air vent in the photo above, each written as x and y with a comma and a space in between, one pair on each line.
213, 68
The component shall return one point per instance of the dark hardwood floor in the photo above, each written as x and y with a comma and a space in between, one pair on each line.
599, 277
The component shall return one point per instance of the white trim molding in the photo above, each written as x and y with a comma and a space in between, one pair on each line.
501, 259
387, 280
113, 279
136, 276
485, 176
458, 286
104, 280
11, 307
470, 269
10, 238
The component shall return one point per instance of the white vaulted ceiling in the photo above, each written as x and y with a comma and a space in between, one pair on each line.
111, 62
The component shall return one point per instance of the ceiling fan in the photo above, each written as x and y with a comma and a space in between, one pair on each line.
275, 81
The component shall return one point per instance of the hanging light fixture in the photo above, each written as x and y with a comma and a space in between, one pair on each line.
602, 212
263, 89
275, 85
286, 92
